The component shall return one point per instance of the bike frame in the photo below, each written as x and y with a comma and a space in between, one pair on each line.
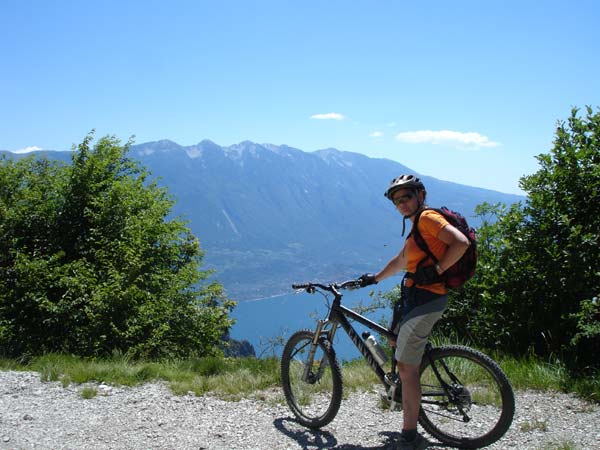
338, 316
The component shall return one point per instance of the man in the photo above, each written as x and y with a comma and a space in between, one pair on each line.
424, 292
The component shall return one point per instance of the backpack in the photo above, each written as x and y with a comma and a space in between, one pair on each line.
464, 269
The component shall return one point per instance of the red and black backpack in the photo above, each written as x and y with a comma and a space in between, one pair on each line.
464, 269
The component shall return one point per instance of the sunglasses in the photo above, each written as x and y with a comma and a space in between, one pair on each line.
401, 199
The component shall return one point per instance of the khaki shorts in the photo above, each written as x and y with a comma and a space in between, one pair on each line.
415, 330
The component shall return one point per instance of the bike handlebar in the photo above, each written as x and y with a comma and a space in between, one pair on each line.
333, 287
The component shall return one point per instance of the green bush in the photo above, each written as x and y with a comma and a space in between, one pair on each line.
538, 275
91, 263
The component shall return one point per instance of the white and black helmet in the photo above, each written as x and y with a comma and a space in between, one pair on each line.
403, 182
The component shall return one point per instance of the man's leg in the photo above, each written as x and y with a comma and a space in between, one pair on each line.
411, 394
410, 345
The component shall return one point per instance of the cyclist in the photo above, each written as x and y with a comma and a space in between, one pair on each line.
424, 292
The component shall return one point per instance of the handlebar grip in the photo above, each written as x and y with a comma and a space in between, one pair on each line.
300, 286
350, 284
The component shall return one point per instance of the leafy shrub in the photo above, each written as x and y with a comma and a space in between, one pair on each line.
538, 276
91, 262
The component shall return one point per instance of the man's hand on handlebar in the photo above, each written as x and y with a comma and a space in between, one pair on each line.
366, 280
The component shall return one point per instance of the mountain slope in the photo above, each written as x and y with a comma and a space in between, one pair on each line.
270, 215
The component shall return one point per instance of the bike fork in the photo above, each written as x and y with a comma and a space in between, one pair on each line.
307, 375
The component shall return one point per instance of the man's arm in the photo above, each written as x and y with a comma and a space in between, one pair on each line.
395, 265
457, 245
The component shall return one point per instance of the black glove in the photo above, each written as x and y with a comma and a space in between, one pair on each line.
367, 280
426, 275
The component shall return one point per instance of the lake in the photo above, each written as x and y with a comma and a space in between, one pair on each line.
264, 319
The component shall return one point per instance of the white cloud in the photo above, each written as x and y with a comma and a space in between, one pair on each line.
328, 116
376, 134
446, 137
28, 149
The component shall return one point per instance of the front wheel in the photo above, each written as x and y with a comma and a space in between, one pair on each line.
467, 401
312, 385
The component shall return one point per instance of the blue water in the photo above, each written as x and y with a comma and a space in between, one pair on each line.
261, 320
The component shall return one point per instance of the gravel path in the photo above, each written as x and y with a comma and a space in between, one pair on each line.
44, 415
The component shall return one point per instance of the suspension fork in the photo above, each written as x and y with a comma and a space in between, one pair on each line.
307, 375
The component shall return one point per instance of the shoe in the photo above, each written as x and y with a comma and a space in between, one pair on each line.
418, 443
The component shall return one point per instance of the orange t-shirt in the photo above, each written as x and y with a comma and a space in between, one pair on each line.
430, 224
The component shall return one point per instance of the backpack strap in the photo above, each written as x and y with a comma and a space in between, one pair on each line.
418, 238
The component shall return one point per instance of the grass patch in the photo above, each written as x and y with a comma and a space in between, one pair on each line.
536, 425
88, 392
9, 364
229, 384
531, 373
235, 378
586, 388
231, 378
358, 375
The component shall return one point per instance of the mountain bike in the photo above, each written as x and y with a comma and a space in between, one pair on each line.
467, 400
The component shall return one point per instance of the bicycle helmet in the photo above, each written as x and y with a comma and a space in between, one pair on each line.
403, 182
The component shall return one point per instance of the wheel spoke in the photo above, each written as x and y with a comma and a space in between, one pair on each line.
312, 387
467, 400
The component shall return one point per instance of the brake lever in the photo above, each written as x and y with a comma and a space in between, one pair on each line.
304, 288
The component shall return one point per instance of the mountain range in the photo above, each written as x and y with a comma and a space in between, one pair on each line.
269, 215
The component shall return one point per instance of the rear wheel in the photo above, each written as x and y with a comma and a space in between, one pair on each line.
312, 386
467, 400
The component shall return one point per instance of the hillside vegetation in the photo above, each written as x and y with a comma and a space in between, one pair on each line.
537, 285
91, 262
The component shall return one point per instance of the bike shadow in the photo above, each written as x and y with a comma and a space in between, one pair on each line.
321, 439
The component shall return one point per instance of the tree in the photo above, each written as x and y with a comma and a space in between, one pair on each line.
90, 262
539, 274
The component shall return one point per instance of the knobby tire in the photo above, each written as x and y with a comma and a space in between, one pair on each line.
317, 402
484, 392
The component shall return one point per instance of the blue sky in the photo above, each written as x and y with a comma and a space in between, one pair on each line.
466, 91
